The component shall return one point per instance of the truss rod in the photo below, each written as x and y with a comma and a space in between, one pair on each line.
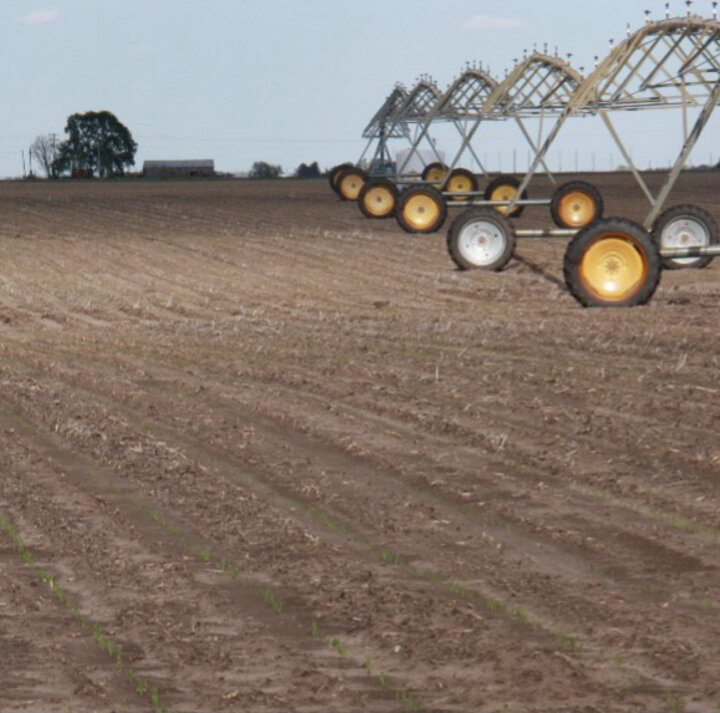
467, 138
606, 118
700, 50
539, 157
673, 80
533, 146
506, 96
682, 158
543, 82
463, 132
660, 66
634, 71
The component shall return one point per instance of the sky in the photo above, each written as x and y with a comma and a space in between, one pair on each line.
296, 81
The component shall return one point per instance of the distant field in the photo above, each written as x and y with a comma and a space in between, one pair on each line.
262, 454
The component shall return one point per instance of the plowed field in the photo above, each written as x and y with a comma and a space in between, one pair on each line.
260, 453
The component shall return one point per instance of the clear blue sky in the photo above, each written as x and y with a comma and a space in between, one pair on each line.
290, 81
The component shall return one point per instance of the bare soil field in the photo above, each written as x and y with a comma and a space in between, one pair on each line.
260, 453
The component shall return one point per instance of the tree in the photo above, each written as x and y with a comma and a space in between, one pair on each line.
260, 169
305, 171
44, 150
97, 143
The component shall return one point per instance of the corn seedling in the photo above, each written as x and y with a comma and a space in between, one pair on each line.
264, 593
104, 642
674, 702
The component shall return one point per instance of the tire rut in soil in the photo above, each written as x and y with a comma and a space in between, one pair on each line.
558, 595
181, 628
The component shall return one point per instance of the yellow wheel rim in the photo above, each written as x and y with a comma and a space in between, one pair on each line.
613, 268
459, 184
577, 209
503, 193
351, 185
421, 212
379, 201
436, 175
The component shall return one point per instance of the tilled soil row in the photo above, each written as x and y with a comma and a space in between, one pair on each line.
443, 490
300, 478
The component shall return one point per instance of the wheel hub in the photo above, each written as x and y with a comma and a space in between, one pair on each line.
351, 187
460, 185
684, 233
435, 175
481, 243
577, 209
379, 201
503, 193
613, 268
421, 211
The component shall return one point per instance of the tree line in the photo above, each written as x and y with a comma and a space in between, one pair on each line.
99, 144
262, 170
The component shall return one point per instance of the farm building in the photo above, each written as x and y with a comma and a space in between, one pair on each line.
201, 167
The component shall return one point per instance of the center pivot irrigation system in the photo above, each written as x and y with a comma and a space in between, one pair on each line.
673, 63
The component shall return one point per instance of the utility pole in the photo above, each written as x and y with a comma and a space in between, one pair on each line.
53, 139
22, 153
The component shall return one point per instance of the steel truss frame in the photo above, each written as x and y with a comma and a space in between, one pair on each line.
667, 64
384, 126
395, 116
538, 87
459, 104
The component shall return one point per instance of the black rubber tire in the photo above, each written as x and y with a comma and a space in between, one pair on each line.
628, 237
334, 173
576, 187
366, 195
405, 204
431, 167
484, 255
504, 181
696, 214
345, 176
466, 176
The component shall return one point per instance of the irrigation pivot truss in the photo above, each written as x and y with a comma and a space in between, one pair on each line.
386, 124
393, 120
538, 87
418, 106
461, 103
667, 64
673, 63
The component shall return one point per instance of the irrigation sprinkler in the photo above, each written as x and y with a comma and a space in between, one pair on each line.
672, 63
668, 64
457, 105
538, 87
384, 126
400, 111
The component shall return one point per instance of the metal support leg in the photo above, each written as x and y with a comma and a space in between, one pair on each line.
628, 158
533, 146
687, 148
539, 157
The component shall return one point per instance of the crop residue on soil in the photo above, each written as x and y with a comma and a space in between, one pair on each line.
260, 453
